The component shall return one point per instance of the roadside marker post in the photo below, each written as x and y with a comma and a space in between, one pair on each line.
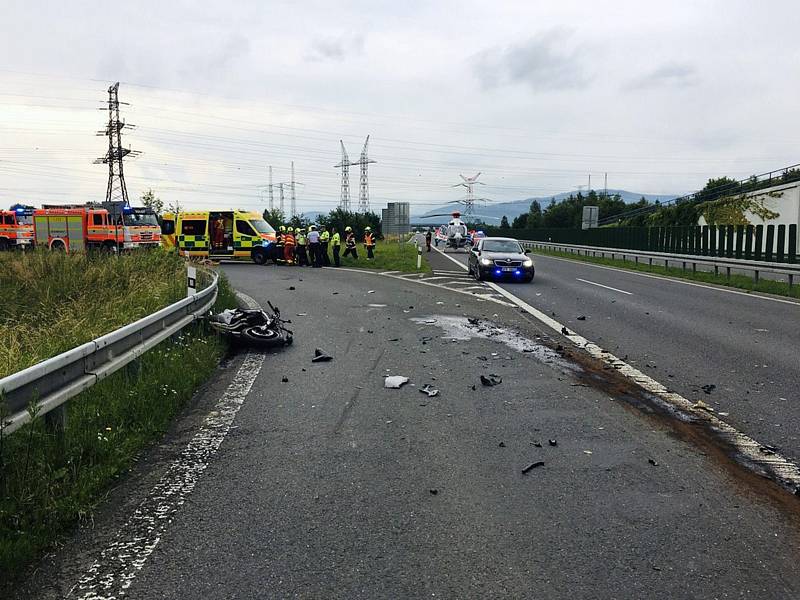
419, 255
191, 281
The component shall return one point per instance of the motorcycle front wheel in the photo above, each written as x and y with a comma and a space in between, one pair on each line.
263, 336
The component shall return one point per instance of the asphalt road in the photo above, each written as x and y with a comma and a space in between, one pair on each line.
685, 336
329, 485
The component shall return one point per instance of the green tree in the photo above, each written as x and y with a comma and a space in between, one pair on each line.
150, 200
274, 217
520, 221
504, 223
534, 219
339, 219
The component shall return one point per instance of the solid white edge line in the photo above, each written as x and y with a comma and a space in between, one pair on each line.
120, 562
608, 287
674, 280
749, 448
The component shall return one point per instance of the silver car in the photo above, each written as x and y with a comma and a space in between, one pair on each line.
500, 258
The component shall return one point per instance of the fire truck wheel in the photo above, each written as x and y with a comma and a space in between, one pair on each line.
3, 244
109, 247
58, 246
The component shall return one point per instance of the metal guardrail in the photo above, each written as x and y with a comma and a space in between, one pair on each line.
756, 266
51, 383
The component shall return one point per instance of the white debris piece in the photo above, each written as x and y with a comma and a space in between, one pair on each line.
394, 381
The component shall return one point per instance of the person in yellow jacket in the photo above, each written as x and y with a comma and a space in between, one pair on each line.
302, 241
369, 242
336, 242
324, 240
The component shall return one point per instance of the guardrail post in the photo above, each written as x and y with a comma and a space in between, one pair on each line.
727, 272
56, 420
755, 275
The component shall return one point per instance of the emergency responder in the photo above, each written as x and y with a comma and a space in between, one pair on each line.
302, 256
288, 246
324, 239
369, 242
428, 236
219, 233
279, 245
336, 242
313, 245
350, 243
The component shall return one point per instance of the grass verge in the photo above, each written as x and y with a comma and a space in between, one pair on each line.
390, 255
48, 482
742, 282
51, 301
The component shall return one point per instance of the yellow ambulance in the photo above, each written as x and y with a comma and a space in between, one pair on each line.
217, 234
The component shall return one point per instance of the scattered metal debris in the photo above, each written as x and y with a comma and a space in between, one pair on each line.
708, 388
553, 442
530, 467
653, 462
491, 380
582, 318
433, 491
320, 356
430, 390
565, 331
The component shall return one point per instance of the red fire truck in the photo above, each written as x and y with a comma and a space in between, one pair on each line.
16, 228
82, 227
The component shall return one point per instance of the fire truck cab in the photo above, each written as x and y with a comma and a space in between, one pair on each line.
16, 228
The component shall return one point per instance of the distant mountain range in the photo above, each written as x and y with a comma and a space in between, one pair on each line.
494, 212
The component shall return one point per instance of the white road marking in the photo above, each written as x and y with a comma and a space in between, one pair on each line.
389, 272
676, 280
608, 287
438, 286
120, 562
787, 472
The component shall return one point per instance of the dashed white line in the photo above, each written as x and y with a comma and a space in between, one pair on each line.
608, 287
675, 280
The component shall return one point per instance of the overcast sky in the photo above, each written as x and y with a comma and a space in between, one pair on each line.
535, 95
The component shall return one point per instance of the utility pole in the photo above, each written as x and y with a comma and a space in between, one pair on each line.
271, 197
294, 197
363, 194
344, 200
116, 189
280, 196
589, 189
605, 185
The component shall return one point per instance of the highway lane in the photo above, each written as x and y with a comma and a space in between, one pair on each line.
686, 337
328, 485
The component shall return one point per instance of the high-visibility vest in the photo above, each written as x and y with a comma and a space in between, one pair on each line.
288, 239
350, 240
368, 239
301, 239
324, 236
336, 240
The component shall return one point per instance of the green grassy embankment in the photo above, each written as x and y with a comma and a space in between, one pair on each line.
743, 282
49, 303
390, 255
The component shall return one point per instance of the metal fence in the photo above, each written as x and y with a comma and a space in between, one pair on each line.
685, 261
48, 385
770, 243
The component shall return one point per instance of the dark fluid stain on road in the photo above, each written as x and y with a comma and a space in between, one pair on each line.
752, 476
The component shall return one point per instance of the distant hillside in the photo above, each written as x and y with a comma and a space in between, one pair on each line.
493, 212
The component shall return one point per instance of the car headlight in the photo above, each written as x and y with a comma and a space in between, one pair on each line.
527, 262
486, 262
